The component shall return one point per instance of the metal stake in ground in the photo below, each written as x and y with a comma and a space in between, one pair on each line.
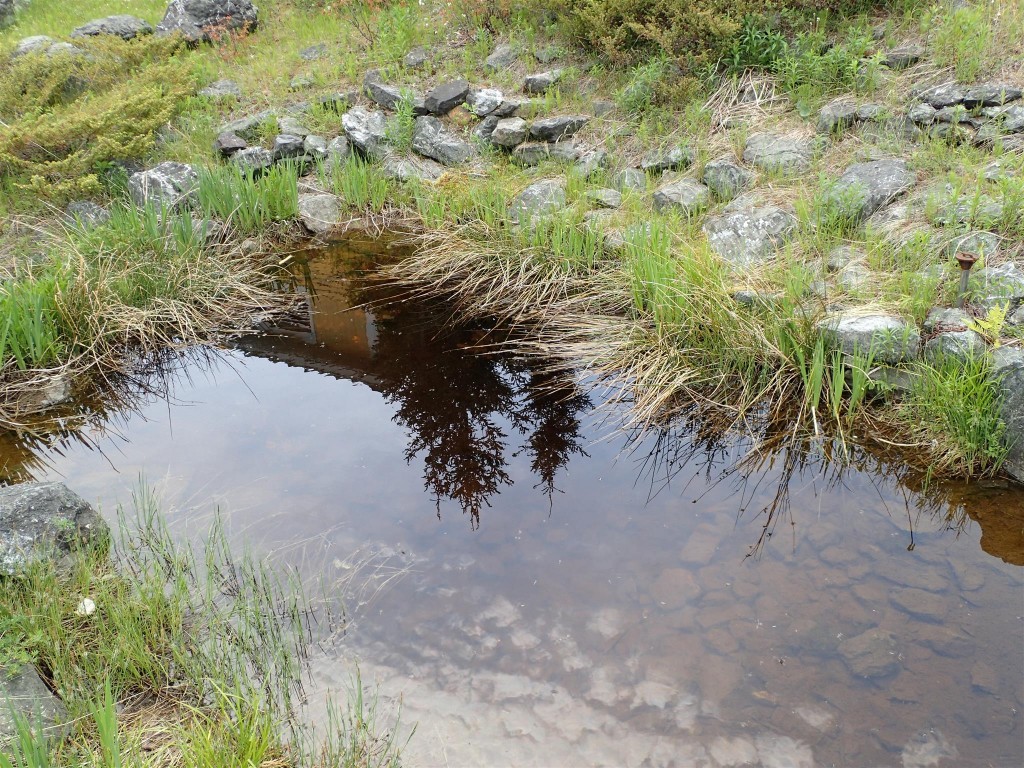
966, 261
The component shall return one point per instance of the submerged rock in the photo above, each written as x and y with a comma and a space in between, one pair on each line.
205, 20
541, 198
168, 185
43, 522
121, 25
431, 138
872, 654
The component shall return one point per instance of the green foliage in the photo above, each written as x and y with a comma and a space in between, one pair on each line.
991, 325
30, 319
64, 116
400, 126
962, 39
359, 183
645, 80
248, 202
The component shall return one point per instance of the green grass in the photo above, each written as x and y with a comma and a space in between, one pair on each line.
192, 657
250, 203
360, 184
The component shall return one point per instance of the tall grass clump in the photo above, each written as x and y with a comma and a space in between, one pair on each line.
31, 334
248, 201
359, 183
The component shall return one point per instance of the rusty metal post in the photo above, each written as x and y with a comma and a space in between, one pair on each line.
966, 261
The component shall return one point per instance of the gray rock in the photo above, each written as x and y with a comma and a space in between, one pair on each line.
675, 159
443, 98
42, 44
602, 107
842, 255
23, 693
485, 130
365, 130
390, 96
853, 277
778, 153
1008, 370
204, 20
87, 214
889, 339
120, 25
630, 179
411, 168
872, 654
605, 198
510, 132
168, 185
547, 54
319, 212
222, 89
557, 128
958, 345
315, 147
1003, 284
542, 81
725, 178
745, 236
7, 10
42, 523
483, 101
288, 124
510, 107
502, 57
865, 187
254, 159
939, 96
871, 112
536, 152
686, 195
990, 95
542, 198
247, 127
980, 243
919, 603
287, 145
227, 143
903, 57
415, 58
922, 114
338, 102
338, 149
954, 115
943, 319
313, 52
837, 115
301, 81
431, 138
590, 162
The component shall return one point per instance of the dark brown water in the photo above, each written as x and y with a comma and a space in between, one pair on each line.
540, 593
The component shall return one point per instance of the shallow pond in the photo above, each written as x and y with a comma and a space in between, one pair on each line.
540, 590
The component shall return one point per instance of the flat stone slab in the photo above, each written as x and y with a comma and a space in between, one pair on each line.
169, 185
889, 339
319, 212
779, 153
120, 25
431, 138
745, 236
43, 522
443, 98
865, 187
22, 691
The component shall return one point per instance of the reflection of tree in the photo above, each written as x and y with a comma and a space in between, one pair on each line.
462, 404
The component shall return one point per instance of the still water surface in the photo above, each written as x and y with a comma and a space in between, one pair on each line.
538, 592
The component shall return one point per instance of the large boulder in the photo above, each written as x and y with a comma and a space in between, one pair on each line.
779, 153
865, 187
430, 138
748, 233
25, 696
121, 25
888, 339
43, 522
44, 45
203, 20
169, 185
